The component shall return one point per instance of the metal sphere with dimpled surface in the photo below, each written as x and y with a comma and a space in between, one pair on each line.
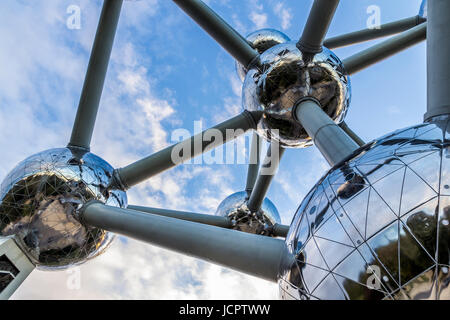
287, 76
235, 208
39, 202
377, 225
261, 40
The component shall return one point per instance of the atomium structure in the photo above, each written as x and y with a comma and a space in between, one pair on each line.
40, 200
376, 225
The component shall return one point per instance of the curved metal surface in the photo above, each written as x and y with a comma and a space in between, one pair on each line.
286, 77
39, 202
235, 208
261, 40
377, 226
253, 254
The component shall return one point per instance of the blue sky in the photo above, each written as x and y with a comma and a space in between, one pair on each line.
166, 73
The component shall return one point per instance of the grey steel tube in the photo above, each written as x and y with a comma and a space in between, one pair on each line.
256, 255
254, 159
329, 138
211, 220
351, 134
280, 230
222, 32
83, 126
438, 59
372, 34
385, 49
316, 28
164, 159
264, 179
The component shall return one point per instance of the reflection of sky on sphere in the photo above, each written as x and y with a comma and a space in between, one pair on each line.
288, 77
398, 231
235, 208
261, 40
40, 199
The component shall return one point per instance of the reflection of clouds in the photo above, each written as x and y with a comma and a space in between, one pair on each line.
401, 244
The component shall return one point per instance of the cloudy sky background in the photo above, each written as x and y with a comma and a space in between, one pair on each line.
165, 73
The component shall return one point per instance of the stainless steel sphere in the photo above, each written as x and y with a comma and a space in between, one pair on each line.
39, 202
423, 12
377, 227
286, 77
235, 208
262, 40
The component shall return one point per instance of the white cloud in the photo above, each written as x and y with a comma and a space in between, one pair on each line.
283, 14
257, 14
258, 19
135, 270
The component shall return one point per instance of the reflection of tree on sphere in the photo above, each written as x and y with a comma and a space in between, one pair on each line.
381, 227
235, 208
262, 40
40, 202
285, 77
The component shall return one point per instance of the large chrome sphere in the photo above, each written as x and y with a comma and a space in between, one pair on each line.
286, 77
262, 40
39, 202
377, 226
235, 208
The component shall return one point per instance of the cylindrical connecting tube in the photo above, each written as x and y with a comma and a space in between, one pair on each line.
329, 138
256, 255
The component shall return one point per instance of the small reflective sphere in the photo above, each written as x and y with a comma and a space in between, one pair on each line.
262, 40
39, 202
377, 226
423, 9
235, 208
285, 78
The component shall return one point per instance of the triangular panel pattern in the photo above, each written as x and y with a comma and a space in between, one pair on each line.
385, 233
390, 188
379, 215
